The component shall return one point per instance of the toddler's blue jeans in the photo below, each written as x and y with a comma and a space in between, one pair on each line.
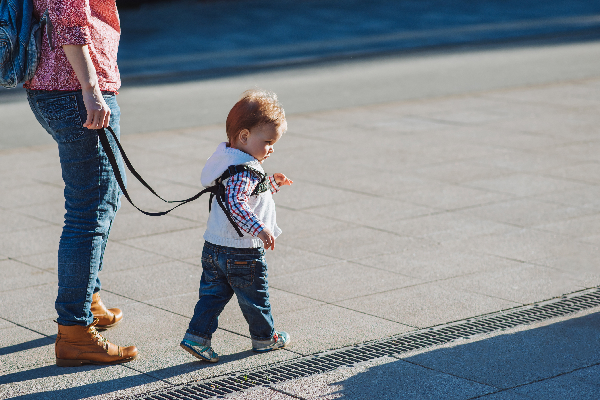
225, 271
92, 197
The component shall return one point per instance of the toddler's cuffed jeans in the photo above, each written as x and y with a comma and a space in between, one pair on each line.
225, 271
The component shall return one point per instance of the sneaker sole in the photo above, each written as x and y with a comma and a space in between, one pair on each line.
198, 355
268, 350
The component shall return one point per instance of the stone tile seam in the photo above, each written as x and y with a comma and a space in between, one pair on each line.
498, 389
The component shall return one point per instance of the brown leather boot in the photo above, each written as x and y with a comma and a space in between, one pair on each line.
107, 317
78, 345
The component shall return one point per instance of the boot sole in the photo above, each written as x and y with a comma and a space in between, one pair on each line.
78, 363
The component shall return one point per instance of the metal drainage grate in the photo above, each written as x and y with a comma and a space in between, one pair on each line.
329, 361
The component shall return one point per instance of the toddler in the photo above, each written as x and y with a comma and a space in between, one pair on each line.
241, 225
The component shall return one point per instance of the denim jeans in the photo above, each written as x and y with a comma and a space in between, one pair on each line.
229, 270
92, 197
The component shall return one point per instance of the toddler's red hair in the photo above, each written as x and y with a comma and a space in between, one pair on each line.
256, 107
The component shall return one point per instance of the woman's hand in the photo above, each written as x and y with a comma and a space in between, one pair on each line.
98, 112
281, 179
267, 238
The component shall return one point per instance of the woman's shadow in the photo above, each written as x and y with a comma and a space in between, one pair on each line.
105, 386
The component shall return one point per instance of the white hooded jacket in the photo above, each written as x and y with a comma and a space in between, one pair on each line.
219, 230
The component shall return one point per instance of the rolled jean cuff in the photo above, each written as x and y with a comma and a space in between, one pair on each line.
198, 339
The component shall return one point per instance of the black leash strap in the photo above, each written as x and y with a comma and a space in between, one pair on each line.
215, 191
113, 162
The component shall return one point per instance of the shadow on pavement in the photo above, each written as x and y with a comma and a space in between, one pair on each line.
93, 389
558, 361
32, 344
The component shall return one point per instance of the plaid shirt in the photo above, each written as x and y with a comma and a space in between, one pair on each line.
238, 189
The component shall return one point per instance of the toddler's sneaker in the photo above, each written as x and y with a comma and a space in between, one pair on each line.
279, 341
200, 351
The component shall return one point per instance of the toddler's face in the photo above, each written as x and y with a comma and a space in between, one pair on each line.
259, 141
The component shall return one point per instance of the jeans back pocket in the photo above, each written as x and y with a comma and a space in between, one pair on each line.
240, 273
62, 114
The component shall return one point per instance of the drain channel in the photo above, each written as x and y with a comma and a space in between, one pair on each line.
416, 340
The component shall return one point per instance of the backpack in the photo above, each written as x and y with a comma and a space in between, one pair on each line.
20, 41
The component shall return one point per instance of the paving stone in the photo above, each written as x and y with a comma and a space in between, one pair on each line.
11, 221
525, 245
132, 225
583, 265
31, 241
39, 301
351, 243
287, 260
59, 383
153, 281
563, 387
518, 212
446, 226
520, 184
451, 197
298, 224
432, 261
180, 244
581, 227
372, 212
523, 162
50, 212
319, 283
326, 327
460, 171
519, 282
23, 351
588, 197
584, 172
306, 195
379, 379
31, 194
16, 275
521, 358
425, 305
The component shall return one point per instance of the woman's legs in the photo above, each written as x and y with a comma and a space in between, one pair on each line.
91, 199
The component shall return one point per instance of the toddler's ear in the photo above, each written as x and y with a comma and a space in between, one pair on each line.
243, 136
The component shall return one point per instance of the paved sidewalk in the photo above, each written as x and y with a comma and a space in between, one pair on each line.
403, 215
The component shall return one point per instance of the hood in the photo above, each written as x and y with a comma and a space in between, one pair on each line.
221, 159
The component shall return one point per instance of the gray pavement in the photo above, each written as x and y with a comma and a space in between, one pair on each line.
403, 215
428, 189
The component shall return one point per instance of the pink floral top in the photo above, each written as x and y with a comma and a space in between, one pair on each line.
91, 22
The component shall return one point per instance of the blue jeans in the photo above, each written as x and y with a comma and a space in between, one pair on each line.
225, 271
92, 197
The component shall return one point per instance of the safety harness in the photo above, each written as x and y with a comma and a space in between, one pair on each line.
216, 191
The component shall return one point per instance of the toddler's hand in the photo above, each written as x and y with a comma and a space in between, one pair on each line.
281, 179
267, 238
